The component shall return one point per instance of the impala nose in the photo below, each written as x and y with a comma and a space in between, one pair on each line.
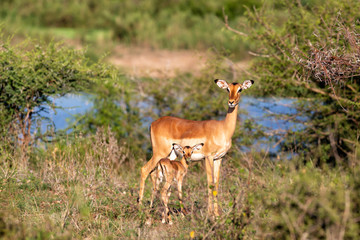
231, 102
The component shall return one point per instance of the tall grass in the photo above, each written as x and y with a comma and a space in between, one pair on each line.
81, 188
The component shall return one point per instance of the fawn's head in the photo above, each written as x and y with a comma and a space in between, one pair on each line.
187, 151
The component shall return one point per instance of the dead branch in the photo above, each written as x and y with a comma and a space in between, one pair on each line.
331, 95
230, 28
258, 54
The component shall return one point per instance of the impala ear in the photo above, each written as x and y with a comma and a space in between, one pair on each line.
221, 83
198, 146
247, 84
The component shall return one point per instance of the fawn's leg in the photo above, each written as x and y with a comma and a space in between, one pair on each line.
165, 194
179, 188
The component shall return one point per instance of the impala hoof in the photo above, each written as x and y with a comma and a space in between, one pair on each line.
148, 222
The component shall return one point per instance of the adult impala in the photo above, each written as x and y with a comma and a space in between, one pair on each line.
216, 136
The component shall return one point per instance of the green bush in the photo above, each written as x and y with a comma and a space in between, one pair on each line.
30, 75
174, 24
284, 201
310, 51
311, 203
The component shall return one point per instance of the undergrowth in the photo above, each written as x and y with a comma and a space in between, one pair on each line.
82, 187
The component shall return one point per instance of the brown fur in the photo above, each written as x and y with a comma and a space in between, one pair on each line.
171, 170
216, 135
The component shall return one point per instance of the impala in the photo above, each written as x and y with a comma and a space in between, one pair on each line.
216, 136
172, 171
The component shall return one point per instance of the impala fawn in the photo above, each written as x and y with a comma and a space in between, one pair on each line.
172, 170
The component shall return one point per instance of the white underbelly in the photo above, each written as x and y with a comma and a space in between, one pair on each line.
197, 156
222, 152
219, 155
186, 141
200, 156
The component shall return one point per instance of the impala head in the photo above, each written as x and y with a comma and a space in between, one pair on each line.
234, 90
187, 151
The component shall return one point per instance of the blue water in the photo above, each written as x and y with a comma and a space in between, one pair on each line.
66, 107
272, 115
266, 112
258, 109
262, 111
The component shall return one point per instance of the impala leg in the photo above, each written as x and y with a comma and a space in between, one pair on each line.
155, 181
209, 166
145, 170
165, 194
217, 165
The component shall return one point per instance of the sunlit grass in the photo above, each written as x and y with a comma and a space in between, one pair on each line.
79, 189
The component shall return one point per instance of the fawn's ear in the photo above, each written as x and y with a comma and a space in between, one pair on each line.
221, 83
247, 84
172, 156
198, 146
177, 147
177, 151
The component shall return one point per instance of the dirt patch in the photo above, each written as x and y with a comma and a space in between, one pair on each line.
144, 62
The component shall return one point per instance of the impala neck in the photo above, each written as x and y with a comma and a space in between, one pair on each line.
230, 121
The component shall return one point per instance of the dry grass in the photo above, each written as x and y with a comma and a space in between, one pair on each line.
83, 188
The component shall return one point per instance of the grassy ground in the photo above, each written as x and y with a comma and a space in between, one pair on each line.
82, 189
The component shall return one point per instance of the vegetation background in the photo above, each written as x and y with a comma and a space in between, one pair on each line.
82, 182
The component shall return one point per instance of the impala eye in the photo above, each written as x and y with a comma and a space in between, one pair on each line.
228, 89
239, 90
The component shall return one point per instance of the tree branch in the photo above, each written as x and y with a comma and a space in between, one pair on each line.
230, 28
331, 95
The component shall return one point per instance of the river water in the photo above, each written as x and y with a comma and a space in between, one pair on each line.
262, 111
